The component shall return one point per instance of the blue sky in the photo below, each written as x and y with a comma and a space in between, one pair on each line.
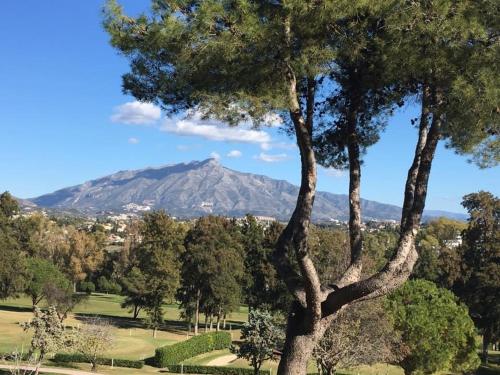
64, 119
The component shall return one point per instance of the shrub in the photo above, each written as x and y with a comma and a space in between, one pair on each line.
87, 287
80, 358
194, 369
176, 353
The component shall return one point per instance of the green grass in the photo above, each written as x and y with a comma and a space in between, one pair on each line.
132, 339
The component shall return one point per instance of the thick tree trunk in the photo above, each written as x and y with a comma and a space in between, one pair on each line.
301, 337
296, 354
486, 344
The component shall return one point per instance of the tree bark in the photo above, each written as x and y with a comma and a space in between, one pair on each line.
197, 313
137, 309
298, 347
353, 272
316, 306
486, 343
411, 179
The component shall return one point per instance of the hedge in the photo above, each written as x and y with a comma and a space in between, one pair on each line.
193, 369
80, 358
176, 353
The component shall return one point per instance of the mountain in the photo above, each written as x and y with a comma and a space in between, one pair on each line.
202, 187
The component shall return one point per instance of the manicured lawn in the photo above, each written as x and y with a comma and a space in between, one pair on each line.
132, 339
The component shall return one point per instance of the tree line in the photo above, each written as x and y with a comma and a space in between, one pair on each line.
213, 265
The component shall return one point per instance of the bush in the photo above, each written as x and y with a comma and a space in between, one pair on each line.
194, 369
114, 287
176, 353
87, 287
108, 286
80, 358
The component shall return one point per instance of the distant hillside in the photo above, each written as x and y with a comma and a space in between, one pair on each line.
202, 187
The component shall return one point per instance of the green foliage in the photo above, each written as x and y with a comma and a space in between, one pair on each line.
13, 272
44, 276
87, 287
80, 358
198, 369
212, 266
176, 353
8, 205
437, 332
260, 339
108, 286
479, 285
135, 289
440, 258
158, 258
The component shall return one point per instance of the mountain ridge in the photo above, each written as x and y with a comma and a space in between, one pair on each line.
206, 187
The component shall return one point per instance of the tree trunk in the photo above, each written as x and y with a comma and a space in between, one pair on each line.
136, 311
197, 313
217, 326
211, 322
206, 322
353, 273
301, 337
296, 354
486, 343
154, 332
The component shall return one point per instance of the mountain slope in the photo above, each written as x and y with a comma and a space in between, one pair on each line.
201, 187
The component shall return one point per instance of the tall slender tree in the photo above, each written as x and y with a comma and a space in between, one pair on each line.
479, 284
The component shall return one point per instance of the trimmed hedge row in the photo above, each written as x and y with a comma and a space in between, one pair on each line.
193, 369
176, 353
79, 358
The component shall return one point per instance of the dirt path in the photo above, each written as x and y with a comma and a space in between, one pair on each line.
222, 361
51, 370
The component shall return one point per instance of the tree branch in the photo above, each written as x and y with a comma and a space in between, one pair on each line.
296, 233
399, 267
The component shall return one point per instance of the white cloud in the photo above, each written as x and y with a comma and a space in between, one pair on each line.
213, 130
268, 158
234, 154
332, 172
278, 145
133, 140
215, 155
136, 113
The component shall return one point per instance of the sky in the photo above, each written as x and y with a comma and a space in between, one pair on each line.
64, 120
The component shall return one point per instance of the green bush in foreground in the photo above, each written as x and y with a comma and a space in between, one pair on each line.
437, 332
193, 369
80, 358
176, 353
